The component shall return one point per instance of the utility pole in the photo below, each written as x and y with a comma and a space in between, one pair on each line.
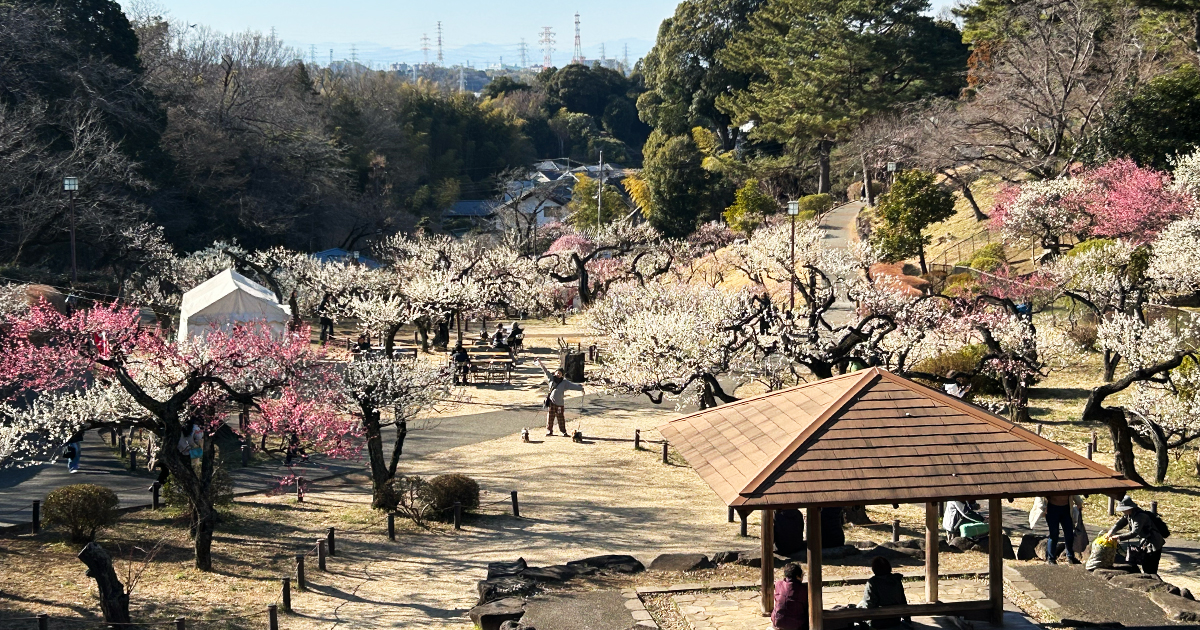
600, 192
439, 44
577, 57
547, 42
71, 184
793, 209
524, 51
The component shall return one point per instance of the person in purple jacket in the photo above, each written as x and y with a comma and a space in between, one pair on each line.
791, 600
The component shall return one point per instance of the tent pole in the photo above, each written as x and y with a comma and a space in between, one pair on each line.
931, 552
813, 536
768, 561
996, 560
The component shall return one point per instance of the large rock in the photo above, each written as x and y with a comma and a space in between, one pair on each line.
1059, 550
1108, 574
554, 573
837, 553
725, 557
962, 544
1143, 582
1028, 548
681, 562
613, 563
789, 532
504, 587
506, 569
1176, 607
832, 532
753, 558
489, 616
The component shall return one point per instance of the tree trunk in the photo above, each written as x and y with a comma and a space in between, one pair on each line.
1159, 440
423, 333
966, 193
583, 286
1119, 431
389, 339
867, 180
921, 257
823, 148
857, 515
381, 491
1111, 359
206, 513
114, 601
1018, 399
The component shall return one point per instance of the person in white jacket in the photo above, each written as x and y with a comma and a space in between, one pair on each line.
555, 402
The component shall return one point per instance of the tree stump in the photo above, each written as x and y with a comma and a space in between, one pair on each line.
114, 601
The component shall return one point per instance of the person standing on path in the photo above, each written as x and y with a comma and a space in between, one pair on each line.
1058, 513
1144, 531
555, 402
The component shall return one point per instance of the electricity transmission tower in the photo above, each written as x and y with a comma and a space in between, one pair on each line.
524, 49
547, 42
577, 56
625, 61
603, 58
312, 55
439, 44
425, 47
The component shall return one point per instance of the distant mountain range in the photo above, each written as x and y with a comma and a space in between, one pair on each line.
478, 55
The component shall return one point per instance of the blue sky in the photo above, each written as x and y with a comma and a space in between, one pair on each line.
391, 31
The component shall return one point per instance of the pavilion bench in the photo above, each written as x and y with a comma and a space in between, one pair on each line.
846, 617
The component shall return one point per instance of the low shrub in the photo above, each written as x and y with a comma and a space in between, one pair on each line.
221, 489
82, 508
815, 205
412, 496
989, 258
444, 490
963, 360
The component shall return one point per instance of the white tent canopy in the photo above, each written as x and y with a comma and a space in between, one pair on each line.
228, 298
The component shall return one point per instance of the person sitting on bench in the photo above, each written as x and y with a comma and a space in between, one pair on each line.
499, 341
884, 588
462, 364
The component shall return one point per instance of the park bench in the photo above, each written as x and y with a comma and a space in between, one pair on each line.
847, 617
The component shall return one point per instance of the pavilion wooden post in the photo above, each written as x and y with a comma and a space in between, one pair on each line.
996, 560
931, 552
768, 561
816, 611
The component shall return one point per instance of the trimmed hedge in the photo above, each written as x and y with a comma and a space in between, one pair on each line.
82, 508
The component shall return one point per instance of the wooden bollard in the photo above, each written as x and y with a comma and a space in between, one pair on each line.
43, 621
896, 530
300, 586
321, 554
1089, 450
329, 541
1154, 507
122, 445
742, 527
154, 489
1039, 428
637, 439
391, 526
731, 514
457, 515
180, 623
1112, 506
299, 489
272, 617
286, 596
516, 506
132, 460
1095, 443
35, 520
664, 452
245, 455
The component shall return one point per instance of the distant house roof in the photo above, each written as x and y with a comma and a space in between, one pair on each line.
549, 165
471, 209
340, 255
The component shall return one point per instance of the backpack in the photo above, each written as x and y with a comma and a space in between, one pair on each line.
1160, 525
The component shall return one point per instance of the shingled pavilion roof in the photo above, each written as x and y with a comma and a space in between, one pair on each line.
872, 437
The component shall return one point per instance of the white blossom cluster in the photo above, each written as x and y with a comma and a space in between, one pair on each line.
1044, 209
1186, 173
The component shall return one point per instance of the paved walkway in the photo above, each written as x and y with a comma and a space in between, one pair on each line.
840, 226
19, 487
740, 609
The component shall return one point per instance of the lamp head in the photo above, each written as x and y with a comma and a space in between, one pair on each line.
793, 208
70, 184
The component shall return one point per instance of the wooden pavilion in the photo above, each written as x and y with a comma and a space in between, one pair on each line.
871, 437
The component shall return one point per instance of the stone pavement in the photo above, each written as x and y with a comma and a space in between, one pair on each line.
739, 609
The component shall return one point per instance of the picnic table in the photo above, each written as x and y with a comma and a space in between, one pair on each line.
496, 365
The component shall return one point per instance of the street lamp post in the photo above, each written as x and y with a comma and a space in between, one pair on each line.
793, 210
71, 184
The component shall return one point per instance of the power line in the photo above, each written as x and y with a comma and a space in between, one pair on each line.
547, 42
